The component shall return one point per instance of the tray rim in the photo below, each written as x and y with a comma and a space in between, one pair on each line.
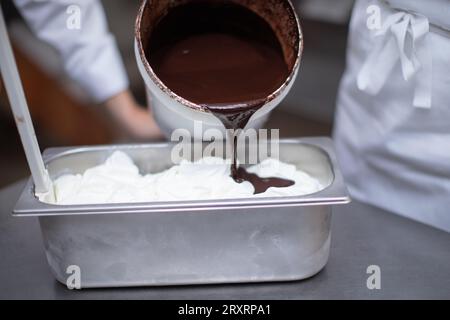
28, 205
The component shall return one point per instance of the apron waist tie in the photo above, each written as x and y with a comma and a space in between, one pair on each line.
405, 39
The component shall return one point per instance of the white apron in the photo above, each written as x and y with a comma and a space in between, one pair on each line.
392, 134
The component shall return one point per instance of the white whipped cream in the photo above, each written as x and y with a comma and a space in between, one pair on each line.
118, 181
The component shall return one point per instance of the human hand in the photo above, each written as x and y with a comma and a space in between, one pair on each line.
134, 120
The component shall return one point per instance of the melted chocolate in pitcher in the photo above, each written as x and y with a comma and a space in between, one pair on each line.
224, 57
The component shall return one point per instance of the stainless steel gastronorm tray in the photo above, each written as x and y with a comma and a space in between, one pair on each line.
195, 242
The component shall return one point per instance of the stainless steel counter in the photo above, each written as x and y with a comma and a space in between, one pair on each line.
414, 261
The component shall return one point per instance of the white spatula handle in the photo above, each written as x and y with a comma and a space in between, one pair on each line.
21, 113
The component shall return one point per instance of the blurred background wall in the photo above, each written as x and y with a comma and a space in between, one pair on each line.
64, 116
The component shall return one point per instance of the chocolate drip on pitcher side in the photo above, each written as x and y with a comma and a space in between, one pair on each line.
224, 57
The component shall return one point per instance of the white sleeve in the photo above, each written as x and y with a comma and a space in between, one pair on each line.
90, 54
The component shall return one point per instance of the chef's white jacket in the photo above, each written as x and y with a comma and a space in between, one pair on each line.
393, 121
89, 53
